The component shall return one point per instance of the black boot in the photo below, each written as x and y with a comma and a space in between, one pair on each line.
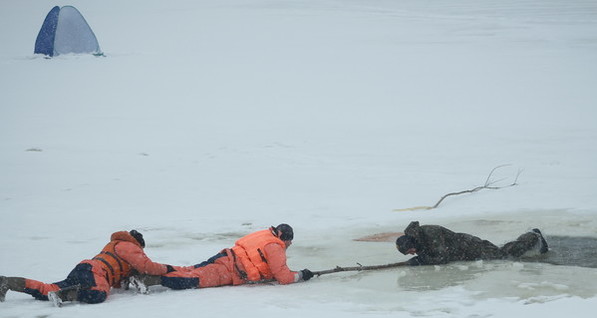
543, 243
66, 294
3, 288
11, 283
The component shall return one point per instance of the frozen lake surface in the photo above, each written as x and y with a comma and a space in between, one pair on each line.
207, 120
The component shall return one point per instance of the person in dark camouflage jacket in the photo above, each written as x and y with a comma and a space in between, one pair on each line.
434, 244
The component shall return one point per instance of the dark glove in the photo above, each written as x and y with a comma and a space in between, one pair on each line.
307, 274
170, 269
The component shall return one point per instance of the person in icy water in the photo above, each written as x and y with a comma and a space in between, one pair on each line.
257, 257
90, 281
434, 244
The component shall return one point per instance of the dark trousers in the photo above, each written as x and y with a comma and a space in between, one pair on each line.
82, 275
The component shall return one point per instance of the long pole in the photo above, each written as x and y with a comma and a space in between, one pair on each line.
358, 268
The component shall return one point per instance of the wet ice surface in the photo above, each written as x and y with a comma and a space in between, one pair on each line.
572, 250
493, 279
445, 289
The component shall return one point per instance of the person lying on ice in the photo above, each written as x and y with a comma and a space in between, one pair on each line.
90, 280
257, 257
435, 244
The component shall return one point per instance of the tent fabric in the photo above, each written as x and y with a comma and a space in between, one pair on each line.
44, 44
65, 31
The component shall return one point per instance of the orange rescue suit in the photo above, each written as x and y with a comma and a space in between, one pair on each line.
123, 254
250, 251
115, 267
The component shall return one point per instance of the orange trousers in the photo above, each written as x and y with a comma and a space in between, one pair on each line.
219, 270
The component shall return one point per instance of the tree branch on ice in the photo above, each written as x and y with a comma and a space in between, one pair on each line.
489, 184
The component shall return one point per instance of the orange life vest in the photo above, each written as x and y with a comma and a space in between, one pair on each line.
115, 267
249, 251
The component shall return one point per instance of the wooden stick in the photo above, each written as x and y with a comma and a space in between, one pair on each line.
358, 268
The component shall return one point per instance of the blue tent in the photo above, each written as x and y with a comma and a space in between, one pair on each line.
66, 31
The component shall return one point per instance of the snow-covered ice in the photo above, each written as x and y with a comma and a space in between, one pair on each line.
207, 120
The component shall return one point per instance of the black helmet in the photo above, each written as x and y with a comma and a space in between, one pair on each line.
404, 243
286, 232
138, 236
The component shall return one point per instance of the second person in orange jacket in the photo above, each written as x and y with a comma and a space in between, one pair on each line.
90, 281
257, 257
